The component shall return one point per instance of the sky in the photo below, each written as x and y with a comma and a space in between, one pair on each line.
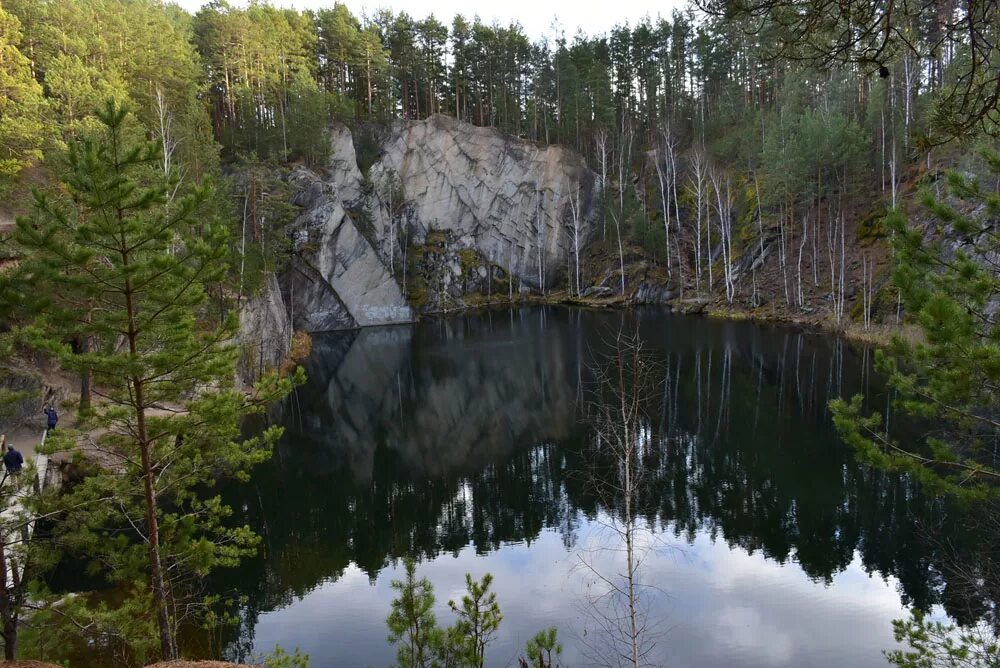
536, 16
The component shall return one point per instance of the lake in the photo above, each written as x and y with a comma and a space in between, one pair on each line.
467, 444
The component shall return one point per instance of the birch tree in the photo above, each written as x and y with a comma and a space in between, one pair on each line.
619, 609
664, 200
799, 295
755, 300
540, 239
670, 143
621, 249
574, 207
390, 196
168, 142
601, 147
724, 208
867, 289
624, 164
698, 184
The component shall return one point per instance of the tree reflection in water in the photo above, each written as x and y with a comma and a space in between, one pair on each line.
419, 441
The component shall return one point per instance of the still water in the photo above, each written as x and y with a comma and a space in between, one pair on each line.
463, 443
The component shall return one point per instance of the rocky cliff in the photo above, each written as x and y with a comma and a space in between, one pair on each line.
337, 279
510, 200
265, 333
492, 207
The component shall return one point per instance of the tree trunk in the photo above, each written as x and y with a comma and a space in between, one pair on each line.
9, 639
86, 377
9, 634
168, 647
86, 382
6, 608
664, 204
621, 254
369, 68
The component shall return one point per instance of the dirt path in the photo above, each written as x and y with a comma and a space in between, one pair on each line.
25, 439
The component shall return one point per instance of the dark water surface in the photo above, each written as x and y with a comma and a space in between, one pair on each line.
463, 443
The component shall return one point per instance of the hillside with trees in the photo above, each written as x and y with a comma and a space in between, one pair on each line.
726, 143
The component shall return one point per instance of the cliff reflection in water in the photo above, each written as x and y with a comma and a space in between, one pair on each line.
417, 441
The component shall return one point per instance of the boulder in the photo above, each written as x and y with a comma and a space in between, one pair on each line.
691, 306
651, 293
598, 291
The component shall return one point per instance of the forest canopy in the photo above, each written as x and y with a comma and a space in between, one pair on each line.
264, 81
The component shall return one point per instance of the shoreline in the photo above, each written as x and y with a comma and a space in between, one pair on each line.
879, 335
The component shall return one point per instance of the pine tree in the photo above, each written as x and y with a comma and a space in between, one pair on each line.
951, 380
478, 619
411, 621
543, 650
126, 266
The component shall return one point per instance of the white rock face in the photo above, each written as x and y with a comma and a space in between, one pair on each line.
509, 199
265, 332
344, 172
338, 280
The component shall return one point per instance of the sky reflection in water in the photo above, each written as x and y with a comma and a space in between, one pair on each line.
721, 607
459, 442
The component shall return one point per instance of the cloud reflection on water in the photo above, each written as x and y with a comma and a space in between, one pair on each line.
720, 607
460, 442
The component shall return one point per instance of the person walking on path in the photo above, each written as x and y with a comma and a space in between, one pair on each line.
53, 417
12, 460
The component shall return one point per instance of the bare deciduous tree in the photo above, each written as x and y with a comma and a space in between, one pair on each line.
574, 207
601, 146
168, 142
621, 248
724, 209
540, 234
616, 606
699, 186
664, 203
390, 195
624, 163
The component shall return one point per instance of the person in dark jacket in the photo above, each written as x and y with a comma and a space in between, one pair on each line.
12, 460
53, 417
